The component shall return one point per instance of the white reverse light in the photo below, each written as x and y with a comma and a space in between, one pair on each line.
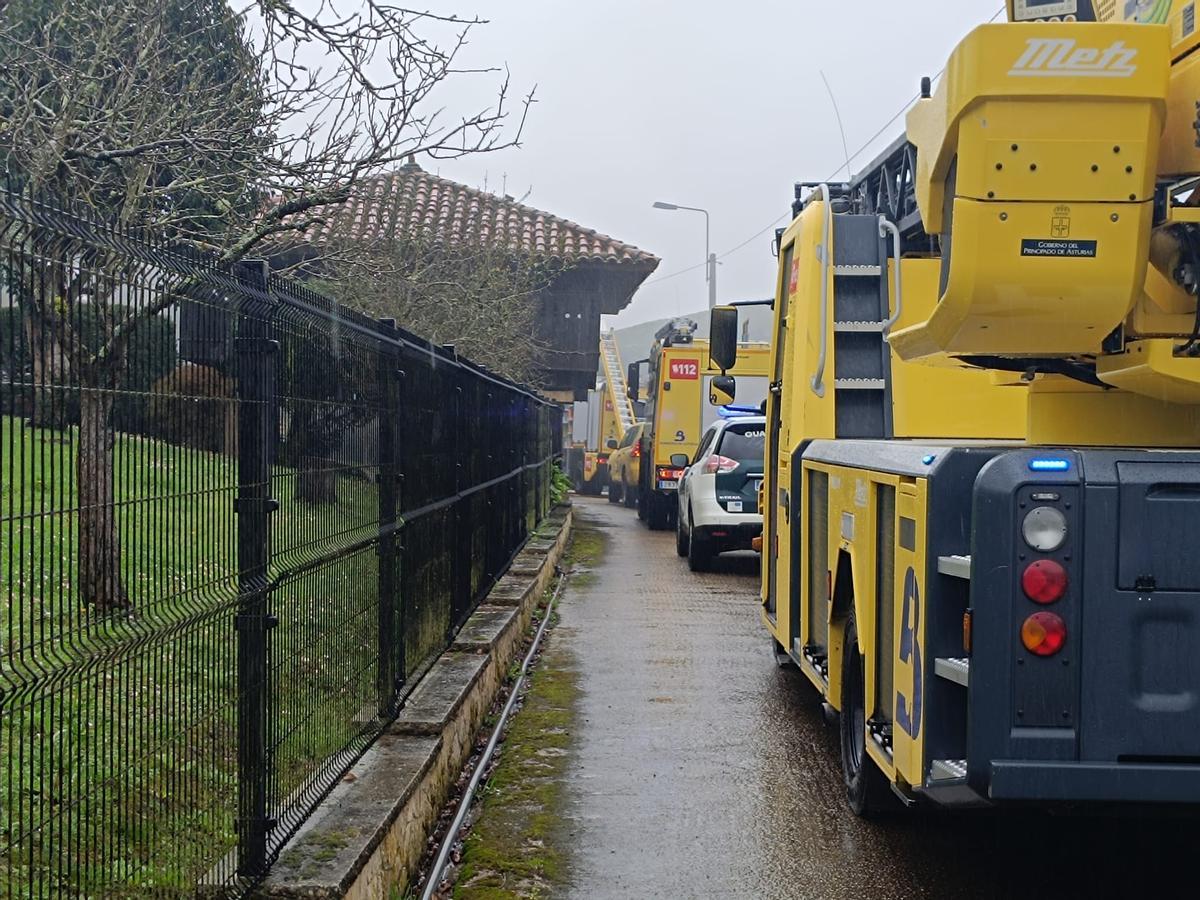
1044, 529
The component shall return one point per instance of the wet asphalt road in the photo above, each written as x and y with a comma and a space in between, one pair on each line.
702, 770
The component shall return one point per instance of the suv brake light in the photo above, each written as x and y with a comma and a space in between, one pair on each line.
637, 450
720, 465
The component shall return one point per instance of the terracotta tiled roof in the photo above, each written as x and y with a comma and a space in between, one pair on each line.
410, 200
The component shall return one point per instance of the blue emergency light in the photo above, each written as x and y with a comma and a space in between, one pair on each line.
733, 411
1049, 464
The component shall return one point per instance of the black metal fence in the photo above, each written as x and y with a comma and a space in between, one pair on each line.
236, 522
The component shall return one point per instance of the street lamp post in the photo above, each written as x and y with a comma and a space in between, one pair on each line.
710, 259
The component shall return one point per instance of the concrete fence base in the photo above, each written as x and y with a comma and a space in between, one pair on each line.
368, 837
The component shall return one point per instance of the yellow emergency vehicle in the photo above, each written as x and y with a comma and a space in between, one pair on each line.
677, 410
982, 487
600, 424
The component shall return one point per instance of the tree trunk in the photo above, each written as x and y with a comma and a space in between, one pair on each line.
316, 482
50, 370
100, 583
311, 447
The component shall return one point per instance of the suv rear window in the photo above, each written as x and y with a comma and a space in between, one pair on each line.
743, 442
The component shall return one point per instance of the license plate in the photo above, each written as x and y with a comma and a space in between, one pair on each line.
668, 485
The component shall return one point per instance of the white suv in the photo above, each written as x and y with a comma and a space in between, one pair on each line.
718, 494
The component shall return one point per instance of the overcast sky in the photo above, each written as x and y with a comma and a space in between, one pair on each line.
703, 103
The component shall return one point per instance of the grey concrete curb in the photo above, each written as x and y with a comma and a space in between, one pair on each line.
367, 838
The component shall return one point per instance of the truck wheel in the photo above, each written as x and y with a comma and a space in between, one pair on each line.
631, 497
866, 789
642, 504
699, 552
613, 496
681, 539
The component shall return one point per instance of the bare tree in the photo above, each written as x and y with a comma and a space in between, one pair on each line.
478, 296
482, 298
225, 128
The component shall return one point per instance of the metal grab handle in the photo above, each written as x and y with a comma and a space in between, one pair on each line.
825, 253
887, 227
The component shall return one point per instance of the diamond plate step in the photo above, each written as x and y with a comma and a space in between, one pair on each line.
955, 566
943, 770
954, 668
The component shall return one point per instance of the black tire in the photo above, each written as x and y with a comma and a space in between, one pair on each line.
867, 790
630, 496
699, 553
642, 503
613, 496
681, 539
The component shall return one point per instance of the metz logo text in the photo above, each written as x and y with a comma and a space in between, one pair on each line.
1061, 57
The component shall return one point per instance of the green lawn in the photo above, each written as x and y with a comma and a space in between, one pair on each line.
118, 733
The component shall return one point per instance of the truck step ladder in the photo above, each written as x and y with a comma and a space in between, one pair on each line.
947, 770
955, 566
862, 358
953, 668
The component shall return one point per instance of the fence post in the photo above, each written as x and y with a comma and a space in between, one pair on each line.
521, 403
539, 455
546, 469
539, 448
460, 591
255, 357
533, 491
495, 518
391, 650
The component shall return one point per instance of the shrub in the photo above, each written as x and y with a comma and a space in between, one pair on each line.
192, 406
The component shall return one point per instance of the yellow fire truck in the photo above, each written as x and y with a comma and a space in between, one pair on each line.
599, 424
676, 412
982, 496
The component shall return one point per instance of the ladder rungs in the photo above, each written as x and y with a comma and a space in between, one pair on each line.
860, 384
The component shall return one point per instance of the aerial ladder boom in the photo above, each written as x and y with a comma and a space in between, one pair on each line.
617, 391
1054, 174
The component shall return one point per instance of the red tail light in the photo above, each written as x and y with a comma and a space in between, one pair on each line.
720, 465
637, 451
1044, 633
1044, 581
